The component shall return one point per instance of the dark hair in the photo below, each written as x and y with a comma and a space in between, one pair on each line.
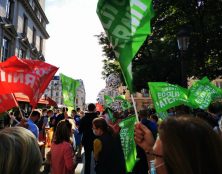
208, 118
215, 108
63, 131
44, 110
153, 116
74, 111
78, 109
91, 107
102, 124
35, 113
182, 110
49, 111
64, 109
190, 146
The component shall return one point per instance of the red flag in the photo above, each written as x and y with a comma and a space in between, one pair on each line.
99, 107
6, 102
51, 102
30, 77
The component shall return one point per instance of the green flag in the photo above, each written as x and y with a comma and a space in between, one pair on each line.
166, 96
202, 93
69, 87
110, 115
162, 115
108, 101
125, 104
127, 141
120, 99
127, 24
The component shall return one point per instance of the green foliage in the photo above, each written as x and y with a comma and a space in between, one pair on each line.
110, 63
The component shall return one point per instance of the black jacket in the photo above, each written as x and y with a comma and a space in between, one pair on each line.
85, 128
111, 158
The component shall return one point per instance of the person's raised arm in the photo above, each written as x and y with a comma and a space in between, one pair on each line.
143, 137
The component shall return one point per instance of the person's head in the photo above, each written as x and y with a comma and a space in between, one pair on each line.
44, 112
182, 110
91, 107
100, 126
64, 109
19, 151
50, 113
63, 131
58, 111
78, 109
98, 113
154, 118
187, 145
35, 116
81, 113
74, 112
215, 108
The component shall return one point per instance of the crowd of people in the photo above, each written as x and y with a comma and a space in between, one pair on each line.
185, 142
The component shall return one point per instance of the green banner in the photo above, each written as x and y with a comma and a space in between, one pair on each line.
127, 24
108, 101
202, 93
162, 115
166, 96
69, 87
125, 104
127, 141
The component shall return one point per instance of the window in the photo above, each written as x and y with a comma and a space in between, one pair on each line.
9, 9
21, 53
5, 49
42, 21
33, 4
34, 36
25, 24
41, 45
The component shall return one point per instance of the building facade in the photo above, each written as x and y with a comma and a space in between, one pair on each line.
54, 90
81, 96
142, 99
23, 29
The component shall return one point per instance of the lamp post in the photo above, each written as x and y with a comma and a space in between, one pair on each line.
183, 40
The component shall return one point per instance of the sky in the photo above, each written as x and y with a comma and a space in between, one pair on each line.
72, 45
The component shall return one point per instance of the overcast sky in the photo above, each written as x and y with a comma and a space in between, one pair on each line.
72, 45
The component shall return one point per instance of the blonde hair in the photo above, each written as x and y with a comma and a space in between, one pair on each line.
19, 152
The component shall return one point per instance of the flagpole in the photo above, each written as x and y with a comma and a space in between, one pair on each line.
13, 95
134, 105
13, 118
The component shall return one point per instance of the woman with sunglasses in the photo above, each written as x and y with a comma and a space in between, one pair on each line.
186, 145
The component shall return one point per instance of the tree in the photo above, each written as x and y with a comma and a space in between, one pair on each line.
159, 57
110, 62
